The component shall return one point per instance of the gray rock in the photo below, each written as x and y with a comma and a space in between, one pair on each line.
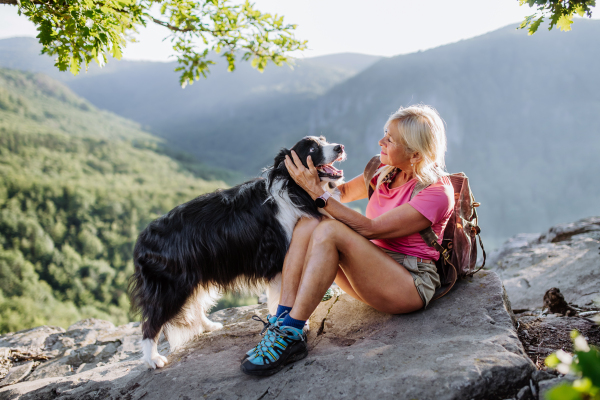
540, 375
565, 232
17, 373
565, 257
92, 324
546, 385
51, 369
512, 245
524, 393
86, 345
89, 344
463, 347
34, 337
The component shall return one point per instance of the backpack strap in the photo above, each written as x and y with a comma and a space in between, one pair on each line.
431, 239
427, 234
453, 277
478, 230
418, 188
369, 173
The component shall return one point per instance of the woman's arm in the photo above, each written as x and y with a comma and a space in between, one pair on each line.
401, 221
353, 190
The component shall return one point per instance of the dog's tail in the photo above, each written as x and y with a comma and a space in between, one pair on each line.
153, 293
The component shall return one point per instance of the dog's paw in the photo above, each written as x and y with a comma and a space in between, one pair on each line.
210, 326
157, 361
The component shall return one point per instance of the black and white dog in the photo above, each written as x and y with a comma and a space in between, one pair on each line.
226, 240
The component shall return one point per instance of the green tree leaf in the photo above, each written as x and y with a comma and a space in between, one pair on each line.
563, 392
564, 22
589, 365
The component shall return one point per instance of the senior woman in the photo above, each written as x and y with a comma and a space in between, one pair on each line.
379, 259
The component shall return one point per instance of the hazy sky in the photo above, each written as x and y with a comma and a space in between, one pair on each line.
379, 27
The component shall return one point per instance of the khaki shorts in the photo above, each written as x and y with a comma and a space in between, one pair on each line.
424, 275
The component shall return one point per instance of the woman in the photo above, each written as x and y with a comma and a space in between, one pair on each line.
379, 259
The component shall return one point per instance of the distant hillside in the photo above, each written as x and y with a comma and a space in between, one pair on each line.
195, 118
521, 114
351, 62
520, 111
76, 186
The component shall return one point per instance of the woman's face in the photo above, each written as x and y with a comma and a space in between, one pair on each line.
393, 152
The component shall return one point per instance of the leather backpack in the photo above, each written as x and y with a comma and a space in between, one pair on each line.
458, 249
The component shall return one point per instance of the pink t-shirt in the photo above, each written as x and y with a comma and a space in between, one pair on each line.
435, 203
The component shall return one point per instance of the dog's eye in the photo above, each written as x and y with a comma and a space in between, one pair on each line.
312, 149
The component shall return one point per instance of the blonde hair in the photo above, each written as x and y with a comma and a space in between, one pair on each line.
421, 130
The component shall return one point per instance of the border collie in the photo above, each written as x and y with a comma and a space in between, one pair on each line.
230, 239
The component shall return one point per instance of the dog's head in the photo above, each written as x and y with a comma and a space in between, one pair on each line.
322, 153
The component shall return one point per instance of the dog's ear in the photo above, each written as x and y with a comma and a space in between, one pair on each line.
280, 158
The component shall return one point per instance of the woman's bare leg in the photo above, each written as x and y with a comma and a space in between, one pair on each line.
374, 276
294, 260
342, 281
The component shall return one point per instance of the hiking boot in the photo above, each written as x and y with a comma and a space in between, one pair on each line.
272, 320
276, 350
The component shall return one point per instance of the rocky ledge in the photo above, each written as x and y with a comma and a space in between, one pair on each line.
566, 256
463, 347
552, 280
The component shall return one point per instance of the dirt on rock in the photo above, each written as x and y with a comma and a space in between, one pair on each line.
543, 334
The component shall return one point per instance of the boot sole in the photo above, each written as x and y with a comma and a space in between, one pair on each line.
269, 372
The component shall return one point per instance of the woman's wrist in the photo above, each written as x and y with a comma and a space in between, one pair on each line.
316, 192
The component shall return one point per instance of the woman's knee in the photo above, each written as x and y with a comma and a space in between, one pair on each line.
327, 229
306, 226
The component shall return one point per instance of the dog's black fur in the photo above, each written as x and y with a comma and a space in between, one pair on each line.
216, 239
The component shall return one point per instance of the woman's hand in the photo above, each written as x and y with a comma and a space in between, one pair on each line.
307, 178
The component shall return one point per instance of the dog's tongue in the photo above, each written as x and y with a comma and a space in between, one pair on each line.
330, 169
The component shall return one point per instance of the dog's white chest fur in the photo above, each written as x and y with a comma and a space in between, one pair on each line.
289, 215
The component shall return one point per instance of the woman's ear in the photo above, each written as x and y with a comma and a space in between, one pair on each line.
416, 158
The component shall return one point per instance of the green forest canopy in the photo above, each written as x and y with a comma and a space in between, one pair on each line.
76, 186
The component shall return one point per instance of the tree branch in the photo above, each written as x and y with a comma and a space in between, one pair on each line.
161, 23
15, 3
184, 30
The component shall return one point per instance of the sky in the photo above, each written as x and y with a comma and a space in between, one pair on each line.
377, 27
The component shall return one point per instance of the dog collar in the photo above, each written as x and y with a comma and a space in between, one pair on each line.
321, 201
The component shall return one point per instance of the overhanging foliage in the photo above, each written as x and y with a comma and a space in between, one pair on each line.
559, 12
81, 31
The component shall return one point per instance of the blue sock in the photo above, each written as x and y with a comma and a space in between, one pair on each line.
294, 323
281, 309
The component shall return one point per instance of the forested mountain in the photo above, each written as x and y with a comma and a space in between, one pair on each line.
76, 186
148, 92
195, 118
